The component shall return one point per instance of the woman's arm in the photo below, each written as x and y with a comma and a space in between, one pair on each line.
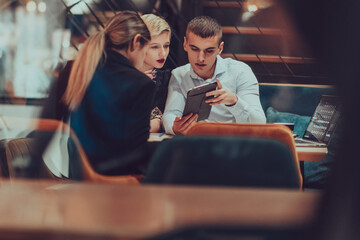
155, 120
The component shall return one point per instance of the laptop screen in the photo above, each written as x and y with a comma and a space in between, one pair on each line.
323, 122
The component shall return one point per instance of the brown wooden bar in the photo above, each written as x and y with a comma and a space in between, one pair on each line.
42, 208
251, 30
269, 58
226, 4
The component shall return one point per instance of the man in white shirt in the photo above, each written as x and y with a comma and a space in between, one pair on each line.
236, 98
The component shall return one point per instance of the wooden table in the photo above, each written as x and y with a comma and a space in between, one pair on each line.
31, 209
314, 154
304, 153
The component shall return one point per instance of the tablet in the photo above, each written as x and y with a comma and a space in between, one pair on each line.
195, 100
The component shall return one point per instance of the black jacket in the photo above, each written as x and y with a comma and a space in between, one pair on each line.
112, 121
162, 82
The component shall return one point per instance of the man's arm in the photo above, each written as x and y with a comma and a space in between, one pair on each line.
174, 106
245, 104
173, 121
248, 107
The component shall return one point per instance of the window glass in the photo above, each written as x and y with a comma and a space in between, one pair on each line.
32, 41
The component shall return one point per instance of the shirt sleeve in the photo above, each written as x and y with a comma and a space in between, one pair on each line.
175, 104
248, 107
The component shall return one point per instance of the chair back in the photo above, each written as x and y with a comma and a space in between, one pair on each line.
18, 154
4, 169
223, 161
270, 131
87, 172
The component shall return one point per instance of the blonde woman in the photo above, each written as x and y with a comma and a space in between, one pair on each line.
154, 61
110, 99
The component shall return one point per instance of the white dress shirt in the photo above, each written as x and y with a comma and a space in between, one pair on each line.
235, 76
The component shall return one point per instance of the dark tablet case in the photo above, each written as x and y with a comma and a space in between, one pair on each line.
195, 100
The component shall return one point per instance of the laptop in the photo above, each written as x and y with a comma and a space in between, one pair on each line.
322, 123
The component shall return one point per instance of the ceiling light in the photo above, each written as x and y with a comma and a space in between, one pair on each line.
31, 6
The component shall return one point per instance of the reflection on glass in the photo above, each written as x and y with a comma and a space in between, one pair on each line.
28, 50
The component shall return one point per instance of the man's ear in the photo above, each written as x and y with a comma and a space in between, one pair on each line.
135, 43
185, 44
221, 48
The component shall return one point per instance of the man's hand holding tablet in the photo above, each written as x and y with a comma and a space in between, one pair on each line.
195, 108
196, 100
221, 95
182, 125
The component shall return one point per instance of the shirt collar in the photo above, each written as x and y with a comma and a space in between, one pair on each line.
219, 68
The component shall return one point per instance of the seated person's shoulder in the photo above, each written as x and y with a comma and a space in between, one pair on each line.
180, 72
124, 80
143, 80
236, 65
135, 76
164, 76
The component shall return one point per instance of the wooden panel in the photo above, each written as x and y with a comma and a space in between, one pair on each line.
314, 154
251, 30
227, 4
298, 85
238, 4
269, 58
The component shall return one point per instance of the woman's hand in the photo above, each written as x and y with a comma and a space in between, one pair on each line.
155, 125
150, 74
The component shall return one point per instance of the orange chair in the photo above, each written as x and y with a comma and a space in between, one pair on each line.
4, 172
17, 152
273, 131
88, 172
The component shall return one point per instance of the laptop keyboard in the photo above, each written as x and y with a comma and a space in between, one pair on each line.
304, 143
299, 140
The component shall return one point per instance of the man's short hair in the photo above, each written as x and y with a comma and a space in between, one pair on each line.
204, 27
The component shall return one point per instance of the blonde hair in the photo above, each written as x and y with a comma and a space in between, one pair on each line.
118, 34
156, 25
